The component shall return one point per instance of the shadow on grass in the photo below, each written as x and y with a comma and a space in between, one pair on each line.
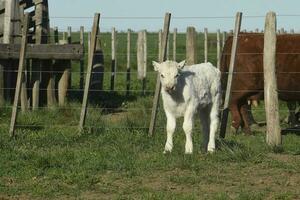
109, 101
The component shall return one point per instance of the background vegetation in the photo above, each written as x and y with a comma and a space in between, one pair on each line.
115, 159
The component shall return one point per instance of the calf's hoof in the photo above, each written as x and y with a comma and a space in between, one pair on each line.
168, 148
210, 150
167, 152
188, 149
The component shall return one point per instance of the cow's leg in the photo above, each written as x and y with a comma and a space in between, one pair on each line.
246, 118
188, 127
250, 115
205, 122
171, 125
292, 105
236, 117
214, 122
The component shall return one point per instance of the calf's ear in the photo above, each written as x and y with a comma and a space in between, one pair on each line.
181, 64
155, 65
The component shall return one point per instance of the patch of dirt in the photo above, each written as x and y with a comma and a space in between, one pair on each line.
116, 117
285, 158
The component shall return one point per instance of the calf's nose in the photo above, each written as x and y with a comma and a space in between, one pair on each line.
170, 88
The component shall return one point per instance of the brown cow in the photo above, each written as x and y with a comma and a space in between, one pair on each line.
248, 80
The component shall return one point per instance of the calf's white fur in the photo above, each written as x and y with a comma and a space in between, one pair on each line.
186, 91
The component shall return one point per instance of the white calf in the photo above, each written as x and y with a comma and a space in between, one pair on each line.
187, 90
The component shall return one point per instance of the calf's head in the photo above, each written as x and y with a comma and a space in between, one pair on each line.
169, 72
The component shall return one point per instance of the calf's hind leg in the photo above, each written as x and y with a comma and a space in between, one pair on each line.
205, 121
213, 126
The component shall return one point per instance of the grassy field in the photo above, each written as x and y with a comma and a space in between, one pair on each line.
115, 159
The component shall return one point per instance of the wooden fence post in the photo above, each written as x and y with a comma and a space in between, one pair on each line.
142, 58
191, 46
56, 38
128, 62
82, 60
89, 42
174, 43
225, 112
23, 95
94, 36
168, 49
218, 49
158, 84
22, 61
159, 44
11, 30
40, 38
113, 59
145, 62
205, 44
223, 39
69, 37
270, 85
64, 81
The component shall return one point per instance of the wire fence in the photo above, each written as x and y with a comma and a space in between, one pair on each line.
126, 105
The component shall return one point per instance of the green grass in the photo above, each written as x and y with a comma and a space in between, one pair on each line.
115, 159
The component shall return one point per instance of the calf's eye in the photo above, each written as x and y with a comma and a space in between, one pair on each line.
176, 75
162, 76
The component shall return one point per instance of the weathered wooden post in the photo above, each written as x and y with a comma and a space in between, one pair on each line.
89, 42
159, 44
113, 59
51, 99
69, 35
94, 34
56, 39
158, 84
23, 95
142, 58
205, 44
270, 85
128, 62
223, 39
22, 61
191, 46
168, 49
41, 19
225, 112
69, 39
145, 61
11, 31
174, 43
218, 49
63, 83
81, 60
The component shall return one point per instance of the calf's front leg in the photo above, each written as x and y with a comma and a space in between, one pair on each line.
188, 127
171, 125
